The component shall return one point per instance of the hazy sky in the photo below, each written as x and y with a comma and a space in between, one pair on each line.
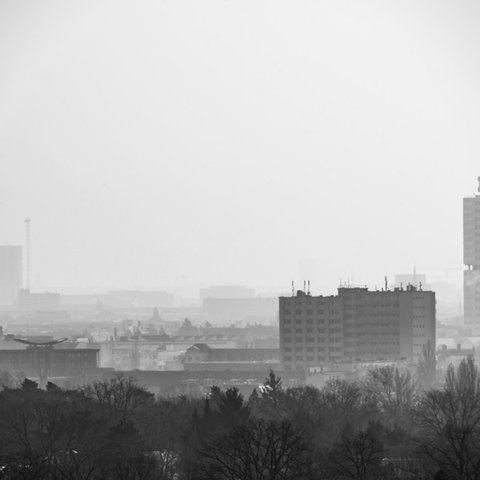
180, 142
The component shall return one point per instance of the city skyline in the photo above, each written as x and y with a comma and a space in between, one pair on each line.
240, 239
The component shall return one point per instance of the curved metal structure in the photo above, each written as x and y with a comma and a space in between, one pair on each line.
41, 344
41, 355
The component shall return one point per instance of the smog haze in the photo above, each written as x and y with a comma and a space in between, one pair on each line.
192, 143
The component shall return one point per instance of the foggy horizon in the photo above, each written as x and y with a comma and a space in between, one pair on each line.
187, 144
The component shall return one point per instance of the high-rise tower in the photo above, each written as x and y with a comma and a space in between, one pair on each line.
27, 244
10, 274
471, 258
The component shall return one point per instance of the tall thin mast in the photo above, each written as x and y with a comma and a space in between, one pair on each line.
27, 246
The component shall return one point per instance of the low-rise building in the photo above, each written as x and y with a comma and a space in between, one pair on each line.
200, 357
47, 360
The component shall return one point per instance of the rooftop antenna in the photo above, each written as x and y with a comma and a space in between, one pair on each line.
308, 292
386, 283
478, 179
27, 237
304, 286
293, 288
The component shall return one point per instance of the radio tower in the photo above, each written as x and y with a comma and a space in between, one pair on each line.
27, 237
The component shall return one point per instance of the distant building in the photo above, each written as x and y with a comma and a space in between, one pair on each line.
162, 352
10, 274
226, 291
199, 383
201, 352
225, 311
121, 299
39, 300
319, 376
137, 299
67, 360
50, 317
471, 258
200, 357
357, 325
418, 280
448, 353
251, 336
449, 297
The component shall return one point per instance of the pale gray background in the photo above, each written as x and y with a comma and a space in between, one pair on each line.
160, 143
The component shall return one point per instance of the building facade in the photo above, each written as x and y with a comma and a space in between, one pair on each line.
67, 360
357, 325
471, 258
10, 274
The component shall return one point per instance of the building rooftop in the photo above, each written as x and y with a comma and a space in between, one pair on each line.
13, 345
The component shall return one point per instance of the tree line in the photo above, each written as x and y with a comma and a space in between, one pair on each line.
389, 425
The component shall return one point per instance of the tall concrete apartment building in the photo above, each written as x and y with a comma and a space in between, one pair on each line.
357, 325
471, 258
10, 274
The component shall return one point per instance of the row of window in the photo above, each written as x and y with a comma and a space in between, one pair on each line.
376, 305
310, 321
377, 325
375, 336
307, 349
300, 330
300, 313
307, 359
359, 319
313, 340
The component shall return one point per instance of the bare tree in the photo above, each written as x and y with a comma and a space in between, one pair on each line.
427, 367
7, 380
270, 400
450, 421
358, 455
121, 393
264, 450
52, 432
395, 393
164, 428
